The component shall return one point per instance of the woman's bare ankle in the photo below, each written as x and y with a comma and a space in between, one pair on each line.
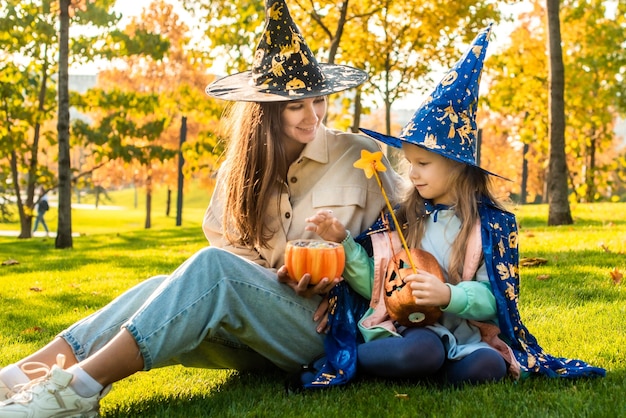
47, 356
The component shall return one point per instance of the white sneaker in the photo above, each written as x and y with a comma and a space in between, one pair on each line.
27, 368
5, 392
50, 396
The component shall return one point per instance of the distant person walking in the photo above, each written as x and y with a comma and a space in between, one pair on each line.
42, 207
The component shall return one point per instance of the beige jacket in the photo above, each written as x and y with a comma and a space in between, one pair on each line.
322, 178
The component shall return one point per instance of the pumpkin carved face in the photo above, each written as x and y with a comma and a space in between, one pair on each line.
318, 258
398, 297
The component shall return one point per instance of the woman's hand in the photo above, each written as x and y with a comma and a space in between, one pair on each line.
428, 289
326, 226
321, 315
304, 287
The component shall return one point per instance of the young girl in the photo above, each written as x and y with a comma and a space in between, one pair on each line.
230, 305
450, 212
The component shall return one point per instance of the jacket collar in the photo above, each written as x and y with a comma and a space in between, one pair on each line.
317, 150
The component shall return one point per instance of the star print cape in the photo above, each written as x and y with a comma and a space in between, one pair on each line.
500, 249
499, 241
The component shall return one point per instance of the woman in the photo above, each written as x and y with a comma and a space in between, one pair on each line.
230, 305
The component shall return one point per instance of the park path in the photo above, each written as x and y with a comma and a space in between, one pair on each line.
36, 234
53, 234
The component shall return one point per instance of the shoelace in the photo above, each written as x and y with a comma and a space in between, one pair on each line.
34, 367
12, 391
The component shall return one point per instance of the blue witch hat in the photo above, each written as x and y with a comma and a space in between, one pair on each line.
446, 122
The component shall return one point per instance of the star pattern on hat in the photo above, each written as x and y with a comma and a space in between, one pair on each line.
284, 68
445, 123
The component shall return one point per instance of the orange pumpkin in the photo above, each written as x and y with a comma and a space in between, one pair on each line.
398, 297
317, 257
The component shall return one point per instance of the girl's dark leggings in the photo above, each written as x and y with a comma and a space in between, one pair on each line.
421, 354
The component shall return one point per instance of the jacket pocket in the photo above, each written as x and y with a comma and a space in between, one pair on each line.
339, 196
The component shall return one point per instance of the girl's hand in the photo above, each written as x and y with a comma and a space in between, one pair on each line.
428, 289
327, 226
303, 287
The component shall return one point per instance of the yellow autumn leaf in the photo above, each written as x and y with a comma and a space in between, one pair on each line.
616, 275
532, 261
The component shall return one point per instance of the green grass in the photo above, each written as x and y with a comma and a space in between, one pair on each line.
570, 304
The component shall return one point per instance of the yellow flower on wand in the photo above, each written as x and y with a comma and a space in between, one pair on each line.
371, 163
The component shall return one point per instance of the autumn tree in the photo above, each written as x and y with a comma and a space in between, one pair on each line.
410, 44
64, 231
30, 42
178, 78
399, 43
96, 15
559, 210
37, 50
27, 31
128, 131
518, 95
593, 85
516, 80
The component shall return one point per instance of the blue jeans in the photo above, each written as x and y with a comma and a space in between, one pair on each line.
216, 310
40, 219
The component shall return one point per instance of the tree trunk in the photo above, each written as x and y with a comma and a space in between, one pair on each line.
336, 39
26, 216
168, 202
590, 190
358, 110
25, 210
523, 193
32, 168
64, 232
394, 155
559, 210
181, 175
148, 223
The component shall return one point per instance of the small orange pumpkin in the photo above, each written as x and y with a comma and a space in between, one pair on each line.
399, 299
317, 257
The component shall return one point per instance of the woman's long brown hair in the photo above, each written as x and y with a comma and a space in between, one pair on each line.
468, 185
256, 163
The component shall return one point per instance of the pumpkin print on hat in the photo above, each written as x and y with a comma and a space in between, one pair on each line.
284, 67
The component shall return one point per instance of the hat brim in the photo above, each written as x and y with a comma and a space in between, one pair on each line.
389, 140
397, 143
239, 87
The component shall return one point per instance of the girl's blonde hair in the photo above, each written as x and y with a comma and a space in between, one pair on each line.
468, 185
257, 163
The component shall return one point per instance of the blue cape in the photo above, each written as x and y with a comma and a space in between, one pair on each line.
500, 248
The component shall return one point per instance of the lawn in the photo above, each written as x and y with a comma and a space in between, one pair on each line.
572, 304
